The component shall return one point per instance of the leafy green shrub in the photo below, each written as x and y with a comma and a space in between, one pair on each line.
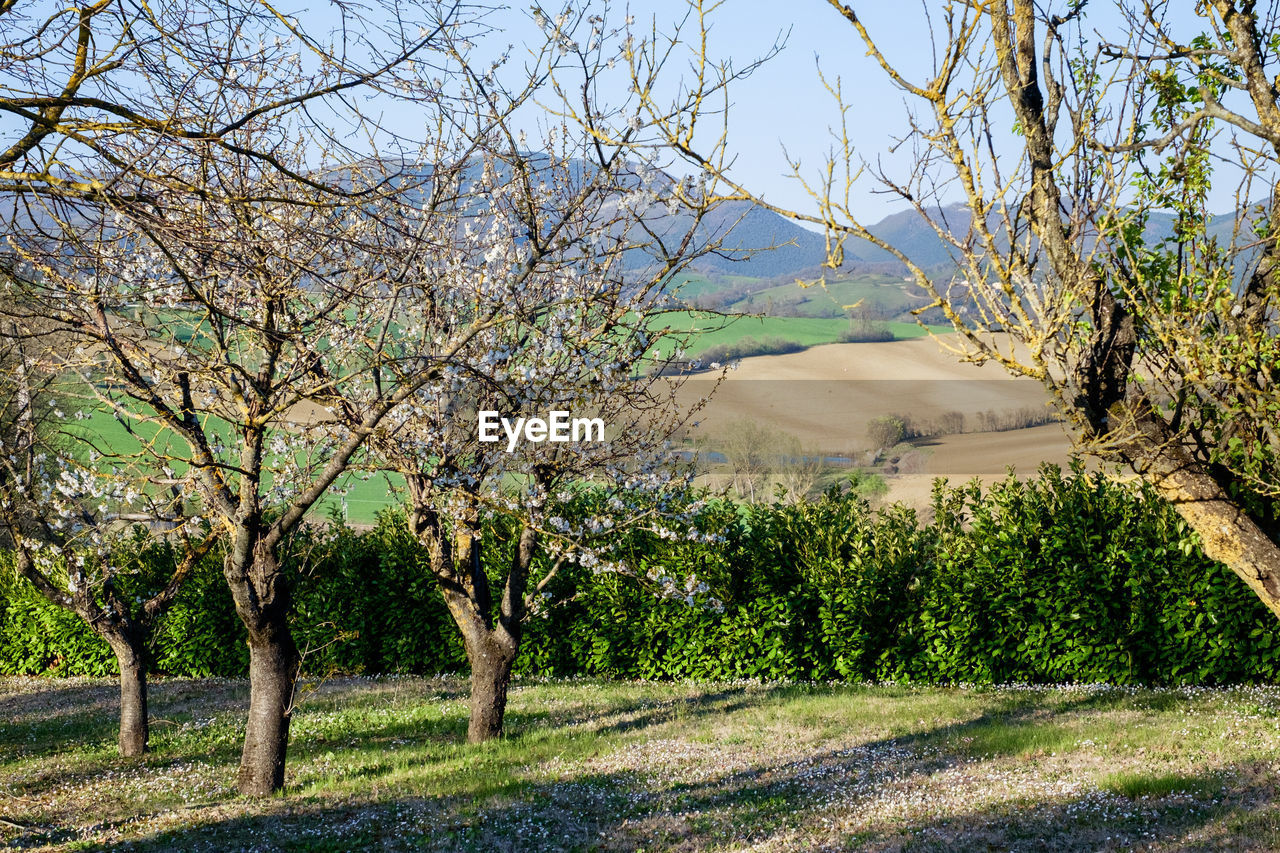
885, 431
1076, 578
39, 638
1065, 577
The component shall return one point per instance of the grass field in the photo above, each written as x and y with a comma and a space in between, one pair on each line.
886, 293
360, 497
692, 285
589, 765
712, 330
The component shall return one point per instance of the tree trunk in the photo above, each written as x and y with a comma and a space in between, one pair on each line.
273, 671
134, 730
491, 655
491, 647
1227, 533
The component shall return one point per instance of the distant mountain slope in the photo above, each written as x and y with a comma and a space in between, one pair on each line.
906, 230
748, 232
913, 236
757, 243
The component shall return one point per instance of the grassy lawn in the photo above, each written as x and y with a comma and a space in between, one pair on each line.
590, 765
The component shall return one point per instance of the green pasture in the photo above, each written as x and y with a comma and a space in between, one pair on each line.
709, 330
888, 294
357, 497
693, 285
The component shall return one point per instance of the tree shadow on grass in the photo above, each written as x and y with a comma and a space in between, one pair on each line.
493, 807
624, 720
56, 717
39, 721
766, 806
569, 815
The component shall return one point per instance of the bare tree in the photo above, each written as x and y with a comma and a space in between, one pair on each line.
579, 241
799, 469
224, 273
750, 449
761, 457
606, 453
1085, 257
64, 521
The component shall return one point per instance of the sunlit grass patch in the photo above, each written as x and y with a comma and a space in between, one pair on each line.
382, 763
1138, 784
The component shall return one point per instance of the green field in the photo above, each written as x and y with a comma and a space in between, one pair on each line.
887, 294
693, 285
714, 330
589, 765
364, 495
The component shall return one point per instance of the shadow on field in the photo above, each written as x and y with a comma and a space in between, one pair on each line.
624, 720
614, 812
43, 722
54, 705
877, 794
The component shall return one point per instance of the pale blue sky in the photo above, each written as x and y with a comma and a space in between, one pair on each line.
784, 103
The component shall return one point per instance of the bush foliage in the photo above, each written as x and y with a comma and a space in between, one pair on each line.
1067, 577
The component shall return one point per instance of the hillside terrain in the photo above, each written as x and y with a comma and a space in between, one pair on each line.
752, 278
826, 397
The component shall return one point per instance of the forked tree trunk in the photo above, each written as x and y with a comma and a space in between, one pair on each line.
134, 729
273, 672
491, 645
261, 594
491, 654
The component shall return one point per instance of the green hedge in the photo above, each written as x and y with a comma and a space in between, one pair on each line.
1062, 578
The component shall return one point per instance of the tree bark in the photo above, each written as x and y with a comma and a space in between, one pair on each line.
260, 590
1227, 533
491, 655
273, 672
491, 645
134, 728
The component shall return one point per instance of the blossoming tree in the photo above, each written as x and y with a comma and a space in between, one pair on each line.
580, 241
574, 381
63, 521
124, 110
